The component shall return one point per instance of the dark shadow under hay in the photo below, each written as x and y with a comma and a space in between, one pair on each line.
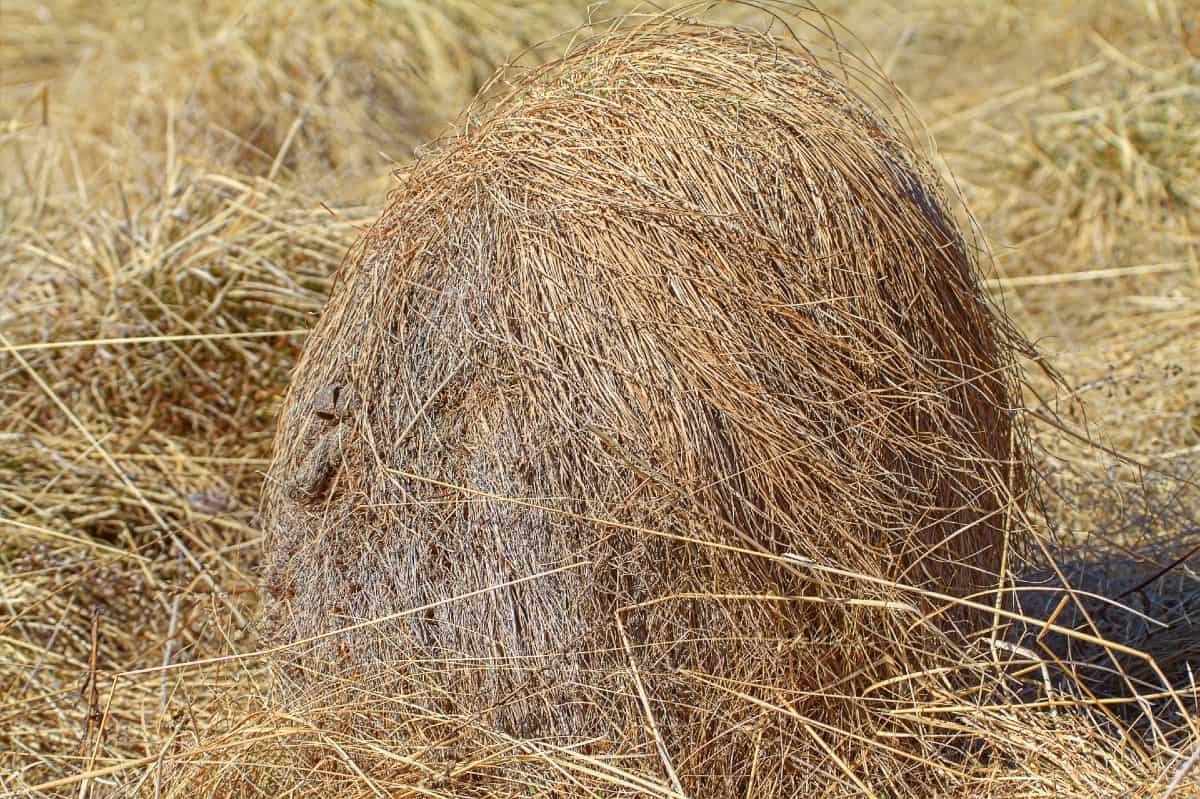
675, 308
1135, 585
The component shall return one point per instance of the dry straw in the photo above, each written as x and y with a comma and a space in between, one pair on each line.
665, 392
162, 242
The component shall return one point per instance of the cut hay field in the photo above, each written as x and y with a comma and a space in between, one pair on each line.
179, 183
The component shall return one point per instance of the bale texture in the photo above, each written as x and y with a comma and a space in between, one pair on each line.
675, 308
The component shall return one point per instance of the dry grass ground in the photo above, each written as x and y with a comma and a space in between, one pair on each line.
178, 182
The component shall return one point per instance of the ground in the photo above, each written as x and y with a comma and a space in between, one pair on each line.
179, 182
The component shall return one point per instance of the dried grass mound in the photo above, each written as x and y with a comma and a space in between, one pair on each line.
643, 423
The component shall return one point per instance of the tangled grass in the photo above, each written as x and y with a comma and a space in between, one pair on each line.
674, 314
140, 200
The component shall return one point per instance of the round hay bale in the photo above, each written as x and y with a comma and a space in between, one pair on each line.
620, 422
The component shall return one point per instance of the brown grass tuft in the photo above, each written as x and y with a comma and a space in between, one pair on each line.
647, 389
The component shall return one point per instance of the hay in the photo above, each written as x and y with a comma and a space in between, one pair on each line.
668, 332
1070, 130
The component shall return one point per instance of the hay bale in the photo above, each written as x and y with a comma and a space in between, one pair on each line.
675, 307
